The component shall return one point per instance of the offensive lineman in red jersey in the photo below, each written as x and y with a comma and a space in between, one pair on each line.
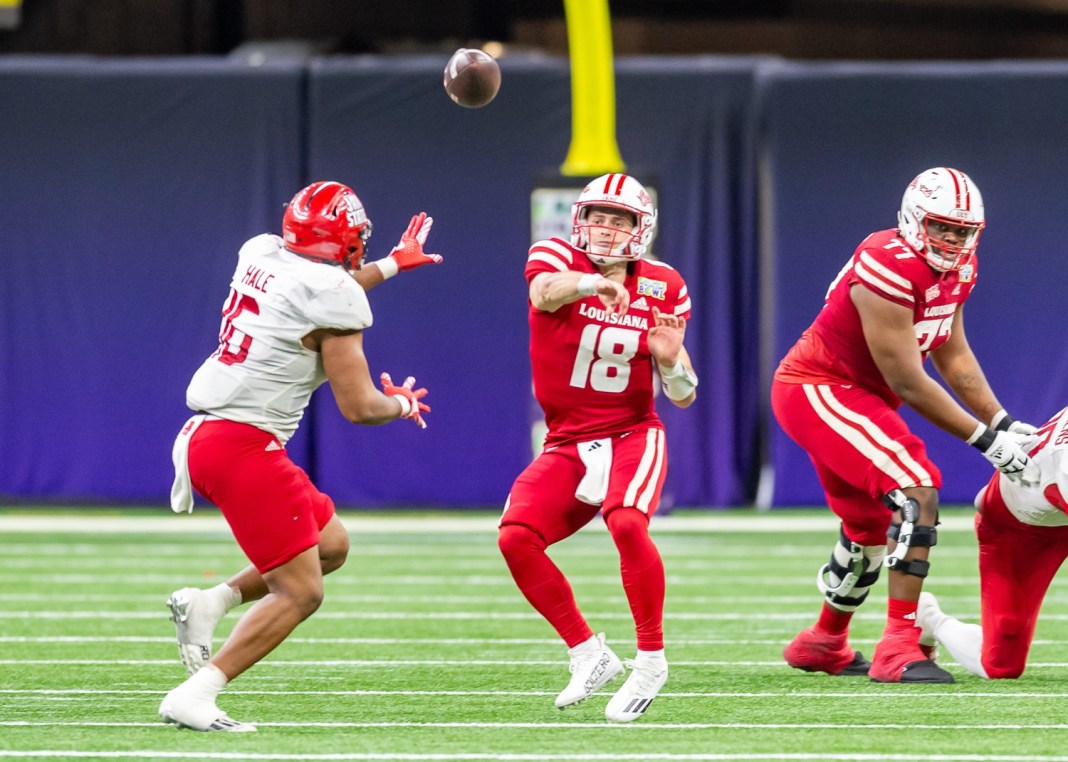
897, 300
603, 320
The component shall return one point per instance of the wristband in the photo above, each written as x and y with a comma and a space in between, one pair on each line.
678, 381
405, 403
388, 267
587, 284
982, 438
1001, 421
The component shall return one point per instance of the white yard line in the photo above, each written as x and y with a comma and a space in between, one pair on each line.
393, 663
875, 692
478, 757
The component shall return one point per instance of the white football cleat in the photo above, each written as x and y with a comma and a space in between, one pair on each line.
646, 679
195, 614
928, 615
593, 665
189, 711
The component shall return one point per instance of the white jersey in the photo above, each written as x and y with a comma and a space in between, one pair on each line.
262, 374
1034, 505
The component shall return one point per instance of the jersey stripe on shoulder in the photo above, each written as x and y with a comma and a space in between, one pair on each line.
553, 253
684, 304
882, 278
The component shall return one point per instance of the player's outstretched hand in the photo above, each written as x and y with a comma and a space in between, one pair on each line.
666, 336
613, 296
409, 398
1008, 453
408, 253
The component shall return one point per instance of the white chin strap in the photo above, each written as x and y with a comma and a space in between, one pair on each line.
606, 259
938, 260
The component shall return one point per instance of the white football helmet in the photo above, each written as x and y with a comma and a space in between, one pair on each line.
944, 198
615, 191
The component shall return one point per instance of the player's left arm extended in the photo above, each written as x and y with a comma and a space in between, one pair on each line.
673, 362
408, 254
960, 369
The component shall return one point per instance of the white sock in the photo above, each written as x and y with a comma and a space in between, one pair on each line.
645, 658
205, 684
963, 641
230, 596
587, 645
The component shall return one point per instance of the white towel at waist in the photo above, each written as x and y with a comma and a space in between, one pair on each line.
182, 488
596, 455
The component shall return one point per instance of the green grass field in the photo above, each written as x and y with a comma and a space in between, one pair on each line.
424, 650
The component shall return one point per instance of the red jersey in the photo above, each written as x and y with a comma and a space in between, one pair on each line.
833, 349
593, 374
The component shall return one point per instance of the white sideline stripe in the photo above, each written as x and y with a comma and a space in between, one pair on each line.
173, 524
645, 757
891, 692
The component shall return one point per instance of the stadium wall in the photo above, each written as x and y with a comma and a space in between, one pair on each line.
128, 186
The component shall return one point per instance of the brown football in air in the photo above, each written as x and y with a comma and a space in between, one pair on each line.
472, 77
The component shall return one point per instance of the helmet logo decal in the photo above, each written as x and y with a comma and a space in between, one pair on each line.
353, 211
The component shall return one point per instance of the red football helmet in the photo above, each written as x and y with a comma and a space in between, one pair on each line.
327, 221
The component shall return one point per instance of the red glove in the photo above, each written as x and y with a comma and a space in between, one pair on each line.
409, 254
409, 398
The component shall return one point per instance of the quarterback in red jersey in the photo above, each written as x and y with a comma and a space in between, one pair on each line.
836, 393
603, 321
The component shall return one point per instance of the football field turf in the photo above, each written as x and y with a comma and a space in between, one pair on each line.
425, 650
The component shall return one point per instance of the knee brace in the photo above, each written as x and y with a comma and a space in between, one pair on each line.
908, 534
848, 576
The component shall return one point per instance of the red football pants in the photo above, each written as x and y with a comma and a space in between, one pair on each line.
861, 448
273, 509
542, 509
1017, 562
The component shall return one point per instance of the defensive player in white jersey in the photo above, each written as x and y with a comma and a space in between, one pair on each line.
603, 320
294, 318
1023, 542
898, 299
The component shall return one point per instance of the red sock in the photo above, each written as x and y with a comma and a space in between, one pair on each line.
643, 575
833, 621
901, 615
542, 583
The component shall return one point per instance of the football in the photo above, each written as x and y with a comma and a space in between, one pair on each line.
472, 77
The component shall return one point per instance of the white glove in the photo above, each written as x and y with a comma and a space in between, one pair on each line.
1007, 452
1002, 421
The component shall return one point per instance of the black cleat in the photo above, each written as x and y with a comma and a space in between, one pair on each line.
923, 671
859, 666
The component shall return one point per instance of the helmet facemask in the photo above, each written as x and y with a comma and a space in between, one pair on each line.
948, 243
609, 233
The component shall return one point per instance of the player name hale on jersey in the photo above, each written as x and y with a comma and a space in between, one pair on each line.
603, 316
257, 278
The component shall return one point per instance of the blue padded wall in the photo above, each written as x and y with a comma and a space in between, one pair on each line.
125, 190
